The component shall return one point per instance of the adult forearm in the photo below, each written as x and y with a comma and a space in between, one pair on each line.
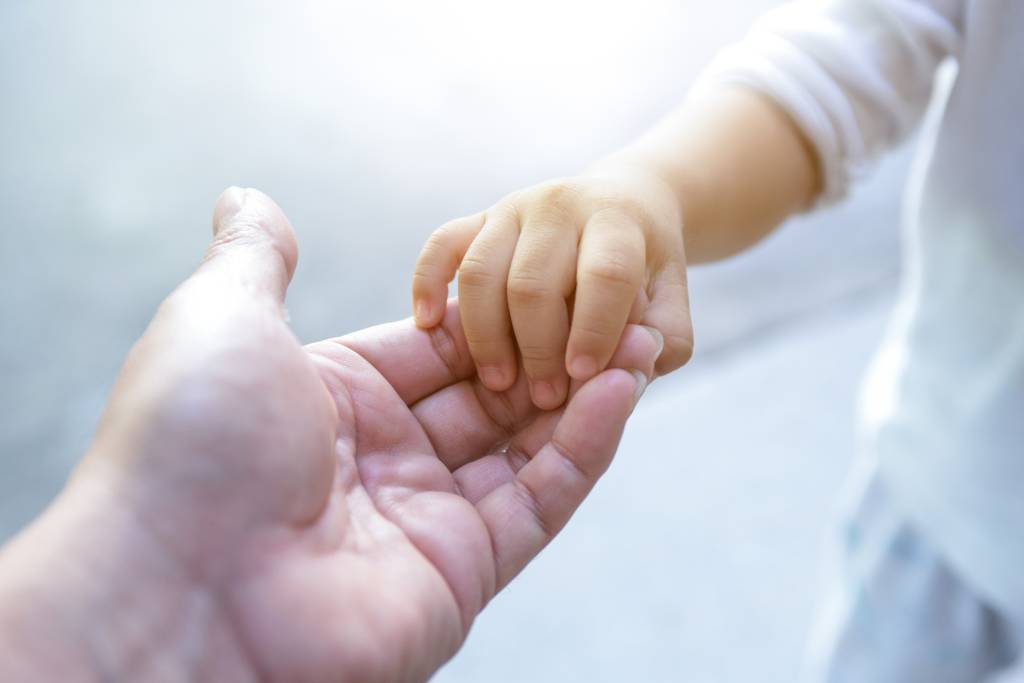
737, 164
85, 595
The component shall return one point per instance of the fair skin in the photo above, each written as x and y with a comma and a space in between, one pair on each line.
252, 509
553, 274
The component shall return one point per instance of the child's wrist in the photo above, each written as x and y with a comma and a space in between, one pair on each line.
644, 181
625, 166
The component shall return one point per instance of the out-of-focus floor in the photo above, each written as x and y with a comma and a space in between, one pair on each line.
698, 556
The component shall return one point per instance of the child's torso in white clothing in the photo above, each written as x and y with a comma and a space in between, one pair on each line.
943, 406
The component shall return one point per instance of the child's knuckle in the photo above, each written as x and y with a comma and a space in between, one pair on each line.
611, 271
474, 273
527, 289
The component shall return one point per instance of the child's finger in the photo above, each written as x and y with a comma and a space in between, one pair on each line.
539, 282
436, 267
669, 313
609, 274
639, 307
482, 303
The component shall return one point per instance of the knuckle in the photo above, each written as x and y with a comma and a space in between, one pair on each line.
424, 271
553, 202
439, 238
623, 208
446, 349
527, 290
505, 210
538, 357
457, 226
549, 218
611, 271
571, 459
488, 347
476, 274
529, 500
447, 228
255, 232
486, 350
595, 331
244, 231
436, 246
438, 252
557, 193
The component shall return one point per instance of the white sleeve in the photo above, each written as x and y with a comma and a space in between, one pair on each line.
855, 75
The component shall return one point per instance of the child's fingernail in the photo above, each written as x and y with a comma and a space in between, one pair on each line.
544, 395
583, 367
641, 385
422, 311
492, 376
659, 339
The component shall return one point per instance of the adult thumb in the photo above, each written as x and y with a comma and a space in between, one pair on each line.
253, 246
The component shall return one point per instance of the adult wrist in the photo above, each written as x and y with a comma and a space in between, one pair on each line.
86, 594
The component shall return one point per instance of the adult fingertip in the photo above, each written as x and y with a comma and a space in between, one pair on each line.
228, 205
245, 211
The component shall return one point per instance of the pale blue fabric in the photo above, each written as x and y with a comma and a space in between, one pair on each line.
895, 612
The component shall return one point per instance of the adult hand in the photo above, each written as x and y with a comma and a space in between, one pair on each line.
253, 509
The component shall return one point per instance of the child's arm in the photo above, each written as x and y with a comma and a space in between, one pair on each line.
729, 166
737, 167
607, 246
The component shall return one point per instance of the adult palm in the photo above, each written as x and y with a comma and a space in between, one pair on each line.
341, 511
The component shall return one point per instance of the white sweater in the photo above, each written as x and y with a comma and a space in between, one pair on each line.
943, 406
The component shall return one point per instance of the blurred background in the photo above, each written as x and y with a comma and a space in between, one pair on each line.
699, 556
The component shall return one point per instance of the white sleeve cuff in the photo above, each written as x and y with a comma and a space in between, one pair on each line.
854, 75
809, 95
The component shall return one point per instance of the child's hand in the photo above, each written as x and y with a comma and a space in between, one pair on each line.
600, 250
